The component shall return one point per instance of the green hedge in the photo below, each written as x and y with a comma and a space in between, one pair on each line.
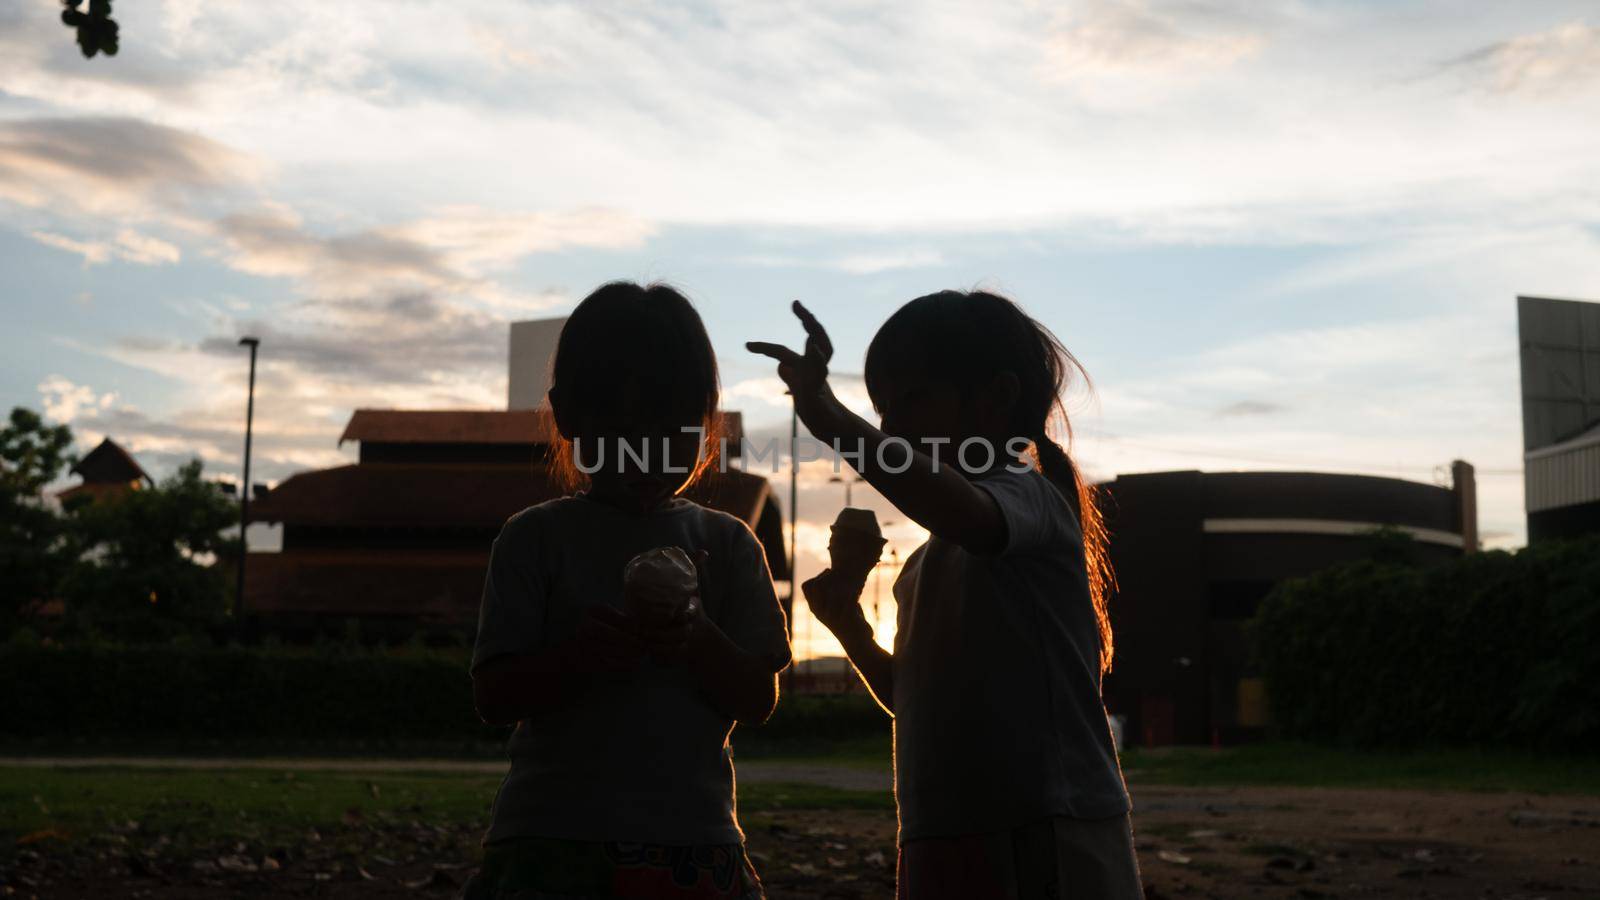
1494, 649
99, 690
335, 692
822, 718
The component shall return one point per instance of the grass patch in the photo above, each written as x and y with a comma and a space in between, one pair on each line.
1305, 765
870, 751
251, 747
1172, 831
228, 803
769, 797
863, 750
202, 807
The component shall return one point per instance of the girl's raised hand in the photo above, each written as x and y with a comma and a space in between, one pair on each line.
806, 374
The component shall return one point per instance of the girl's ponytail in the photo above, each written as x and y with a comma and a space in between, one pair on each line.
1083, 498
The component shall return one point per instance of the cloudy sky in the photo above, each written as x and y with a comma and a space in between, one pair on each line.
1285, 237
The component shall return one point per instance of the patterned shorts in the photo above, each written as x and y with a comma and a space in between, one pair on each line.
555, 869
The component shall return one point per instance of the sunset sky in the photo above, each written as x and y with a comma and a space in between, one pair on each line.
1284, 239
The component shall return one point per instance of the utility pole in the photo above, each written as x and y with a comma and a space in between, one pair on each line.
244, 489
794, 522
848, 481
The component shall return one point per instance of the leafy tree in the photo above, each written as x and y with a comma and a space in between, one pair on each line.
146, 559
32, 453
97, 31
1388, 545
32, 555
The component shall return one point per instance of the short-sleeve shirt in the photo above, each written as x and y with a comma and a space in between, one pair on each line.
642, 756
998, 715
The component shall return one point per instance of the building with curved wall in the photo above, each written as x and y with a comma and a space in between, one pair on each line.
1195, 553
1560, 355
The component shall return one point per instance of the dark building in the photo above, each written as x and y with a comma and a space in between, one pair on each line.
1195, 553
107, 470
1560, 351
404, 533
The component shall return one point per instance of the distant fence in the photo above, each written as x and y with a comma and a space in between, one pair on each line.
825, 683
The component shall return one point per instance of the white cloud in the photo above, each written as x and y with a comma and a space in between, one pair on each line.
769, 390
505, 51
128, 245
396, 170
113, 166
870, 263
457, 251
1140, 37
318, 360
1186, 120
478, 240
1565, 59
93, 253
64, 401
144, 249
1398, 398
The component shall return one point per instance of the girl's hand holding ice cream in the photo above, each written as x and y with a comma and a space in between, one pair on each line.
835, 599
854, 547
661, 593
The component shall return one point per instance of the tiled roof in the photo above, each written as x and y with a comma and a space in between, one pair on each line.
404, 495
474, 426
109, 464
448, 426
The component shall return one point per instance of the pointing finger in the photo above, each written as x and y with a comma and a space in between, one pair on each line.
777, 351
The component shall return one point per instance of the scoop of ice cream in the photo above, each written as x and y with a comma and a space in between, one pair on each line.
667, 567
860, 520
856, 541
658, 584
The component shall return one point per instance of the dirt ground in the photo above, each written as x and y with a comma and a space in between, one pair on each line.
1211, 843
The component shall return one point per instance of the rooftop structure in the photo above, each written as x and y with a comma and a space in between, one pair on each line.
1560, 349
107, 470
406, 530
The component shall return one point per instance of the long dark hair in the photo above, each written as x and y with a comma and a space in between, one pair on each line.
974, 336
647, 335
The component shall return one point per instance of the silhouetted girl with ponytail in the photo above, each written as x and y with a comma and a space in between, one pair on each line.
1005, 772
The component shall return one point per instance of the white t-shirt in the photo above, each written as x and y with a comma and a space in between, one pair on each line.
998, 715
644, 756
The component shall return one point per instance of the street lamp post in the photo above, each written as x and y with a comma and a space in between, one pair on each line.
794, 522
848, 482
244, 489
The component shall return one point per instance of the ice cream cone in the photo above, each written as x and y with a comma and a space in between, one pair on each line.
856, 542
658, 585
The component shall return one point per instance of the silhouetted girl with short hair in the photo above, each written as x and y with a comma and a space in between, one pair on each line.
1005, 773
621, 784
